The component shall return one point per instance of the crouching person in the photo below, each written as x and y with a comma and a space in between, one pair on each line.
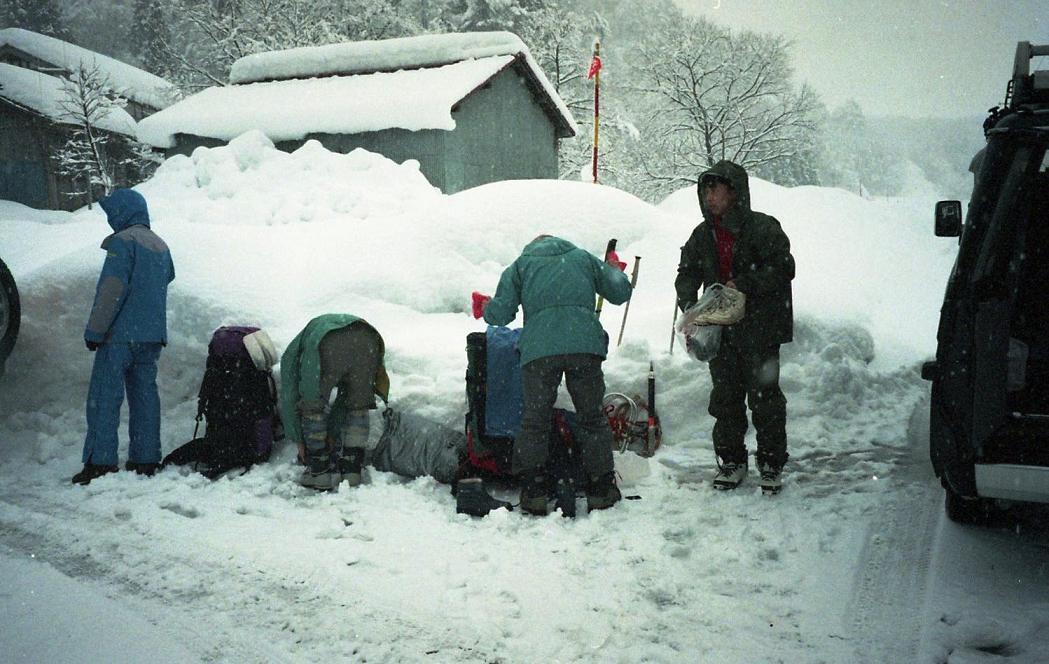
333, 351
556, 284
126, 330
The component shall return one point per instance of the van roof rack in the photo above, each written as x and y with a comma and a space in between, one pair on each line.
1027, 87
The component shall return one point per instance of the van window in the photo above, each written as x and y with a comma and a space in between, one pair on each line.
1012, 207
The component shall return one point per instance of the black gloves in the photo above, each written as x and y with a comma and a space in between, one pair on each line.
91, 345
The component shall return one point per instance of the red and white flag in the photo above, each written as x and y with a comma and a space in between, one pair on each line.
595, 66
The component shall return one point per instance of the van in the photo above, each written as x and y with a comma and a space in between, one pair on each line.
10, 314
989, 420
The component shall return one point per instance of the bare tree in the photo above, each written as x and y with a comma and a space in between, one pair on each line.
88, 100
94, 157
210, 35
714, 95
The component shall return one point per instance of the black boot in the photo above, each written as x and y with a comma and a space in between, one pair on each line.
472, 498
351, 465
147, 469
534, 491
320, 472
602, 492
91, 472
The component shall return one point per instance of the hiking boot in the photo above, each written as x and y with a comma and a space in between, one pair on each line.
602, 492
320, 472
91, 472
771, 479
534, 492
147, 469
351, 466
730, 475
471, 498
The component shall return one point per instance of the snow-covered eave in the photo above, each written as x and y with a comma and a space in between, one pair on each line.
45, 118
131, 82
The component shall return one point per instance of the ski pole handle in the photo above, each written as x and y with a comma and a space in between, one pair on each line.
633, 282
600, 298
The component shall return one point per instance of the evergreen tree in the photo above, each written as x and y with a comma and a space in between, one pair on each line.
41, 16
150, 35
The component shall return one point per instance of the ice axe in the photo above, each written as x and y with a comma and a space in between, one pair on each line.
633, 283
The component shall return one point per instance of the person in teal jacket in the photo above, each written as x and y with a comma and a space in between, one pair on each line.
333, 351
556, 284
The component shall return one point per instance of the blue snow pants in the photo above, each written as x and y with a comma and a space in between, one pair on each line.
119, 366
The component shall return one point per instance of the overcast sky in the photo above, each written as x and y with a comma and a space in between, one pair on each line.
945, 58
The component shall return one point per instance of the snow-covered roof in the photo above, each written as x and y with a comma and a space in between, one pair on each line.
389, 55
43, 94
285, 110
133, 83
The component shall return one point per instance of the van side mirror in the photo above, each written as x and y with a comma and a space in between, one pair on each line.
948, 219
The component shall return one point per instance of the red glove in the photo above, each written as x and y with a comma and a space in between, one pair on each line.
613, 260
480, 301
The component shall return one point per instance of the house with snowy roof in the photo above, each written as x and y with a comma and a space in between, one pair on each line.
471, 108
33, 122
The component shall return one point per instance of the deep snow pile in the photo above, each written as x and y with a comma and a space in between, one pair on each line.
388, 572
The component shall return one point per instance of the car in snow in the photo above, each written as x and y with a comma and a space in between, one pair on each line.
10, 314
989, 420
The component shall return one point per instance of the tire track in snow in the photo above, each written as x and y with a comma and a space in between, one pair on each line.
890, 591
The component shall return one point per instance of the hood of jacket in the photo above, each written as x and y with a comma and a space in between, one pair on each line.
740, 182
124, 208
547, 246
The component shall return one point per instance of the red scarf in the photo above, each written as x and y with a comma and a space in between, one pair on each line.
724, 240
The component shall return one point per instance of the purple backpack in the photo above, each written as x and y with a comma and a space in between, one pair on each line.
237, 401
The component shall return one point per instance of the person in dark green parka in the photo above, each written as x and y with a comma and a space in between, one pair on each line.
556, 284
333, 351
748, 251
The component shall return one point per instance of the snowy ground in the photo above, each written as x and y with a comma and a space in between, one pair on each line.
854, 562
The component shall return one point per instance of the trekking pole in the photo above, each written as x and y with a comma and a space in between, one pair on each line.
673, 326
600, 298
650, 429
633, 282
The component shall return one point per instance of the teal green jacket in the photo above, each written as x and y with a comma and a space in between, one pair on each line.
557, 283
300, 374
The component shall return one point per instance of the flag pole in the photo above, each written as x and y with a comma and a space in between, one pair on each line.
595, 67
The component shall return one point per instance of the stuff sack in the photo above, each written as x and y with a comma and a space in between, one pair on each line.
238, 402
701, 324
495, 399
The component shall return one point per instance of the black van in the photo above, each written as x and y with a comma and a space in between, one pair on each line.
989, 424
10, 314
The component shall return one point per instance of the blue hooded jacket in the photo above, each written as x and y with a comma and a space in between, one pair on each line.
131, 296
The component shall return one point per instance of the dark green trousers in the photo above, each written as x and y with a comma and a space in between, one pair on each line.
586, 385
743, 377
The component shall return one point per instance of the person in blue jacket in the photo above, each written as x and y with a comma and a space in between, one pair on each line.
126, 330
556, 284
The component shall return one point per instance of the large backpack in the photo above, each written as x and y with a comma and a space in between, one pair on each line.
495, 401
238, 402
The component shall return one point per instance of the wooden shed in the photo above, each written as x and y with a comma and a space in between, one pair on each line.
33, 124
470, 108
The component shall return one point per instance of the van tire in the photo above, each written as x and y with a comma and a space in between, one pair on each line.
969, 511
10, 314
